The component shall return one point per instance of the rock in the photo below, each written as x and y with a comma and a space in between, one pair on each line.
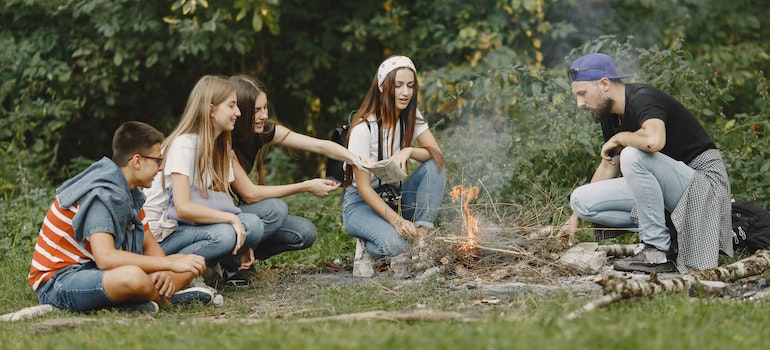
584, 256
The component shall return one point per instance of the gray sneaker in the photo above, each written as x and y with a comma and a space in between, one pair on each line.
648, 259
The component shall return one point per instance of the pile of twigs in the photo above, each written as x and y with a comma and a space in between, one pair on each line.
508, 248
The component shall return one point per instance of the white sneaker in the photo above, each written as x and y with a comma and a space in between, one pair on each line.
363, 262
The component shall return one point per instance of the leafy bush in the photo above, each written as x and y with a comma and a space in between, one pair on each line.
21, 220
517, 128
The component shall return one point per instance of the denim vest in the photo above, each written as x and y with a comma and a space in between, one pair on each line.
105, 204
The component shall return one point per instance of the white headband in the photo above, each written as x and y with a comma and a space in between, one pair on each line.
391, 64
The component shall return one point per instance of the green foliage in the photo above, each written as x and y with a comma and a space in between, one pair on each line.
744, 137
281, 167
517, 128
91, 65
315, 93
22, 216
725, 35
491, 75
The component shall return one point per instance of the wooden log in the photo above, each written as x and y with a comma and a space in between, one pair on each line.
27, 313
419, 315
619, 249
616, 288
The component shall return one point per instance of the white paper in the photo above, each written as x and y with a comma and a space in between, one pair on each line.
387, 171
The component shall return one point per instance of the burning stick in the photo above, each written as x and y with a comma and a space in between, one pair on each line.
471, 225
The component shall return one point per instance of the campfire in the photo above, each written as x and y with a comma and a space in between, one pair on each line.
470, 222
495, 241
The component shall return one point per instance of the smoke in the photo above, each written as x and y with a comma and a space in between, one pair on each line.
477, 150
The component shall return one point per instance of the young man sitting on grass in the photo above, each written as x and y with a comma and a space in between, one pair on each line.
94, 249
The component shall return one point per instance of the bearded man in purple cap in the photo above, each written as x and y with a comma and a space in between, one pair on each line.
669, 165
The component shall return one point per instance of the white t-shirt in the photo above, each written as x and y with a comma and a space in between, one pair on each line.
179, 159
363, 140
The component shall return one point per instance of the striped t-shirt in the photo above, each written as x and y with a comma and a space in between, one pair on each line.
56, 246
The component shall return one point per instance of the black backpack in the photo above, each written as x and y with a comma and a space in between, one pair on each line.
751, 227
334, 169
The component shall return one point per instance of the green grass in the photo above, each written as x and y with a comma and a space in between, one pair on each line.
277, 312
523, 321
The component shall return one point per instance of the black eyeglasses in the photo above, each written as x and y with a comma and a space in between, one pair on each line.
157, 159
573, 72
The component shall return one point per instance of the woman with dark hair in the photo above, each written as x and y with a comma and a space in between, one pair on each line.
385, 127
252, 135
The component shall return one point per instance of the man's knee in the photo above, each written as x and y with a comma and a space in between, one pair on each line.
127, 282
577, 201
631, 156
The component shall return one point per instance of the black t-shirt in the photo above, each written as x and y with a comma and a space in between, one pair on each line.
685, 136
246, 148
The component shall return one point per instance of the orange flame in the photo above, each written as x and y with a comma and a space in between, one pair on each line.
471, 225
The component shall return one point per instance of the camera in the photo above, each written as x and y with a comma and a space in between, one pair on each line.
390, 194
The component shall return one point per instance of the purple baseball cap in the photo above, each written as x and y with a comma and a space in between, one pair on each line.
594, 66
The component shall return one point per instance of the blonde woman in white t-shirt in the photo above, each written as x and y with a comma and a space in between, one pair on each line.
386, 126
195, 185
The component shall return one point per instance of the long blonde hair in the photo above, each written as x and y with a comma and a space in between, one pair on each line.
213, 152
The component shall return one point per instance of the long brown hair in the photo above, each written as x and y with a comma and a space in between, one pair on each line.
248, 89
213, 152
383, 106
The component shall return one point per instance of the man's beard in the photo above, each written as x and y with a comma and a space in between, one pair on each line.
602, 112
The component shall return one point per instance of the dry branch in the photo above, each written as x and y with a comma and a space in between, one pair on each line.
616, 288
27, 313
422, 315
619, 249
461, 240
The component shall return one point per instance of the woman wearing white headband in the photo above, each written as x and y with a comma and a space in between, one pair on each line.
385, 127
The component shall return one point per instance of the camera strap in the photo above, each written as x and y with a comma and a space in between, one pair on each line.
379, 141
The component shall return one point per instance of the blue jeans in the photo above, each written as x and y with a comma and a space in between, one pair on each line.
283, 232
76, 288
213, 241
421, 196
653, 181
